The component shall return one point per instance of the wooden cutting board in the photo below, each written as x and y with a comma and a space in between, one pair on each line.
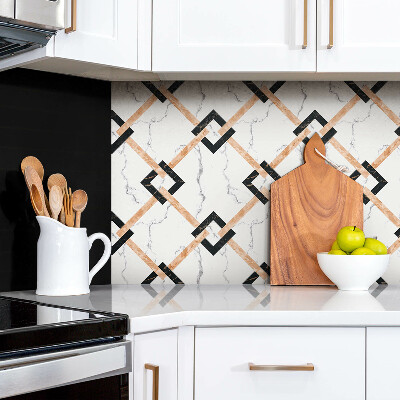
308, 207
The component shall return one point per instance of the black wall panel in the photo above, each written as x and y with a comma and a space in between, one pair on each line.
65, 122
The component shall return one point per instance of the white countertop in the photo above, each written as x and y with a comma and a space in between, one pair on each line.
162, 307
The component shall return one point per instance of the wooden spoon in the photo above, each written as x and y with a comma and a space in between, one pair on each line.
56, 201
58, 180
35, 164
79, 202
36, 200
32, 178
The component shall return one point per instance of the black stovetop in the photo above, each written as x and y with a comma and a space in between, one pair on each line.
27, 326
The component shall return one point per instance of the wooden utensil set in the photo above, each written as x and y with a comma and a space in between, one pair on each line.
62, 204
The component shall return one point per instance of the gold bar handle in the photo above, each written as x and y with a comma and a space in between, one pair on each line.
305, 367
72, 28
155, 369
304, 46
330, 45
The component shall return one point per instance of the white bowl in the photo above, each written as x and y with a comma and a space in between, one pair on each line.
349, 272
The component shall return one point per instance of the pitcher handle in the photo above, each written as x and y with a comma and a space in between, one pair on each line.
104, 257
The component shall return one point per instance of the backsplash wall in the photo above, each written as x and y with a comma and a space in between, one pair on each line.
192, 163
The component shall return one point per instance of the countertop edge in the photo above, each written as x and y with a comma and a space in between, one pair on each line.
148, 323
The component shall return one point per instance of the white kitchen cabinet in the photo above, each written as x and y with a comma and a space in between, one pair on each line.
383, 354
103, 45
366, 36
106, 33
222, 357
155, 350
233, 35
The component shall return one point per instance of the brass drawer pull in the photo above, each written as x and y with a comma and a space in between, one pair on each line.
155, 369
305, 26
330, 45
72, 28
305, 367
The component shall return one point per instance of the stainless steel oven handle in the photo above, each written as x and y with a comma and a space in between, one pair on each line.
30, 374
41, 361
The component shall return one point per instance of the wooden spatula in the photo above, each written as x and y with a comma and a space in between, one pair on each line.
33, 162
32, 178
36, 200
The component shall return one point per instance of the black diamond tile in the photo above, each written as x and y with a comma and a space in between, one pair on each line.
146, 182
251, 278
121, 140
315, 115
150, 278
255, 275
170, 274
382, 182
213, 116
167, 271
155, 91
221, 242
271, 172
259, 93
121, 241
360, 93
248, 182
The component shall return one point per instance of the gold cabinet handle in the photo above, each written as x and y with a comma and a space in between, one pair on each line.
330, 45
305, 26
72, 28
305, 367
155, 369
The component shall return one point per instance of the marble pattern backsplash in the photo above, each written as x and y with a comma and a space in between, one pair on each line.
192, 163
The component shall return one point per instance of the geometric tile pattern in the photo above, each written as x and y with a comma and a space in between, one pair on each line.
222, 144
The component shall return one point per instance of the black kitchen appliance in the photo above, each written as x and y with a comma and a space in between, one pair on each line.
54, 352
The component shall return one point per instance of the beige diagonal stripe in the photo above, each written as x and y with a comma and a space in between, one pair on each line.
145, 258
132, 119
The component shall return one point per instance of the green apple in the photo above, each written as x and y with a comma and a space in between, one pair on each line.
337, 252
350, 238
335, 246
375, 245
363, 251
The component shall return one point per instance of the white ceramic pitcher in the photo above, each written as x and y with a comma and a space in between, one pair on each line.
63, 258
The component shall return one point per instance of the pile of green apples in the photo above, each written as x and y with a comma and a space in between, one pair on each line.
351, 240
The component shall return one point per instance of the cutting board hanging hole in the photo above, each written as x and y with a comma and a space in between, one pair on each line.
341, 168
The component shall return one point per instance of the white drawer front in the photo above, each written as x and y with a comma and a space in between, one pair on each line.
383, 354
222, 357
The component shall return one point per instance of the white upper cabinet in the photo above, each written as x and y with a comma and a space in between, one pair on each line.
106, 33
234, 35
365, 36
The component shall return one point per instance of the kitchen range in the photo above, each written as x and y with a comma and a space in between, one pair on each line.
43, 348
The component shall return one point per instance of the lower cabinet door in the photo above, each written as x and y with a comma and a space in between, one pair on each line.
280, 363
383, 354
155, 365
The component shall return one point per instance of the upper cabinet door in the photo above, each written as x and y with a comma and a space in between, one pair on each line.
234, 35
106, 33
364, 36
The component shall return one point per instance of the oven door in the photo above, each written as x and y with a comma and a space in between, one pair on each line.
49, 370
